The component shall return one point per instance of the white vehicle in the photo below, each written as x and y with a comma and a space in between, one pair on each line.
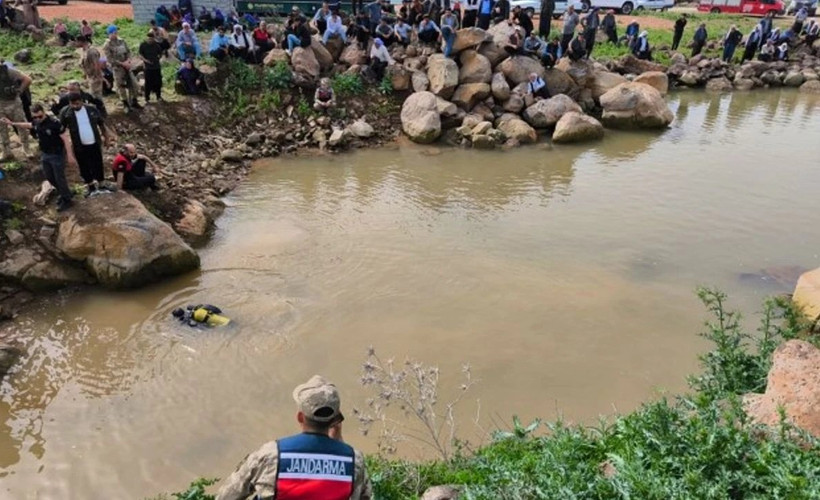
627, 6
534, 6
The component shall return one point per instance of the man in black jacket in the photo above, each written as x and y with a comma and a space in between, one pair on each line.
680, 24
86, 129
73, 87
545, 18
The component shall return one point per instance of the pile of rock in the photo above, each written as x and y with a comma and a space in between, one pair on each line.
480, 97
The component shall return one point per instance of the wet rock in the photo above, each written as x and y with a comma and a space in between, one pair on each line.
811, 87
121, 243
635, 105
444, 492
23, 56
580, 71
518, 129
196, 222
807, 293
275, 56
467, 95
577, 127
361, 129
471, 120
443, 75
546, 112
53, 275
743, 84
304, 63
8, 356
254, 139
656, 79
793, 79
420, 118
499, 87
482, 141
231, 155
337, 138
481, 128
420, 81
517, 69
793, 385
559, 82
721, 84
690, 78
16, 263
470, 38
15, 237
475, 68
772, 77
603, 82
445, 107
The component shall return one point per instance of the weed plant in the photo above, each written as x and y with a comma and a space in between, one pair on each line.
347, 85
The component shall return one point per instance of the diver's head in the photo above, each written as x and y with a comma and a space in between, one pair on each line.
178, 313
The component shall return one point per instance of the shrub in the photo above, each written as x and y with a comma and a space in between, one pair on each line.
278, 77
346, 85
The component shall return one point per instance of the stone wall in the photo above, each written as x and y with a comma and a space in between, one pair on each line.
144, 9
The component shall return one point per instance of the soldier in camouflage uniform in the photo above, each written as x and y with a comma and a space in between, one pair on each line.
92, 69
12, 84
116, 50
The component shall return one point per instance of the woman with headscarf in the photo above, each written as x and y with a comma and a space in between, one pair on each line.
642, 49
783, 52
752, 43
379, 58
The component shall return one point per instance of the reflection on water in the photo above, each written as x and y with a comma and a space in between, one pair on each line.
563, 276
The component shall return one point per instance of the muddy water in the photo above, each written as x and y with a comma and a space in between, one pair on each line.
564, 277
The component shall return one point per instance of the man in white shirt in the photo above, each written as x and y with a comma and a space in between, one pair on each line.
334, 28
379, 58
84, 140
470, 13
242, 45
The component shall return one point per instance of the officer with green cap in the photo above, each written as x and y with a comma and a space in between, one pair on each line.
12, 84
119, 55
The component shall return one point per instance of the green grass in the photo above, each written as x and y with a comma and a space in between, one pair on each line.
347, 85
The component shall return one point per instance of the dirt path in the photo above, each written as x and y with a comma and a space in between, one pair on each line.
90, 11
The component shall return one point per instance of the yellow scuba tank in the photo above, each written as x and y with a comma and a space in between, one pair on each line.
202, 315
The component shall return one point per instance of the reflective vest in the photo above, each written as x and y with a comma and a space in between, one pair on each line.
313, 466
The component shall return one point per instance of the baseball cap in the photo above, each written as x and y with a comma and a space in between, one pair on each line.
318, 399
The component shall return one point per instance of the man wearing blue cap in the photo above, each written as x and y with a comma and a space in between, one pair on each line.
118, 55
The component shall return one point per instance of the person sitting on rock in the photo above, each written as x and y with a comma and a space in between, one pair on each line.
642, 48
205, 19
533, 45
242, 45
379, 59
699, 39
428, 32
74, 87
403, 31
262, 38
219, 17
783, 52
577, 48
767, 52
298, 35
190, 81
61, 32
515, 43
129, 170
551, 53
449, 27
385, 33
201, 315
162, 17
335, 28
324, 99
537, 87
220, 46
523, 19
175, 21
775, 36
320, 18
187, 43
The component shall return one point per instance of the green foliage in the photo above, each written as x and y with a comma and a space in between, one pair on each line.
12, 166
270, 101
13, 223
242, 77
696, 446
278, 77
386, 86
303, 107
195, 491
346, 85
518, 431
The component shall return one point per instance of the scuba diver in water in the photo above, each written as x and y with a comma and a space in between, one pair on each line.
201, 315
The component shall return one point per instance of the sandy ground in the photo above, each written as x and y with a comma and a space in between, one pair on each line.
82, 9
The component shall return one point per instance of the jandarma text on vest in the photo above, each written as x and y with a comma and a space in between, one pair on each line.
317, 464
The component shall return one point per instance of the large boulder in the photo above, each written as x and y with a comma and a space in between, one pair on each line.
38, 273
420, 81
335, 46
400, 77
468, 38
657, 79
304, 63
352, 55
631, 64
475, 68
581, 71
443, 75
324, 57
577, 127
635, 105
500, 88
446, 108
811, 87
420, 118
275, 56
519, 130
807, 293
514, 104
518, 69
501, 32
793, 79
558, 82
793, 386
121, 243
603, 82
721, 84
546, 112
493, 52
690, 78
197, 220
467, 95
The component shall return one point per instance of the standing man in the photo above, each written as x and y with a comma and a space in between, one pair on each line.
86, 131
610, 27
752, 42
118, 55
699, 40
315, 464
48, 132
730, 42
92, 69
766, 26
12, 85
485, 13
545, 18
470, 14
570, 22
150, 51
591, 24
680, 24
